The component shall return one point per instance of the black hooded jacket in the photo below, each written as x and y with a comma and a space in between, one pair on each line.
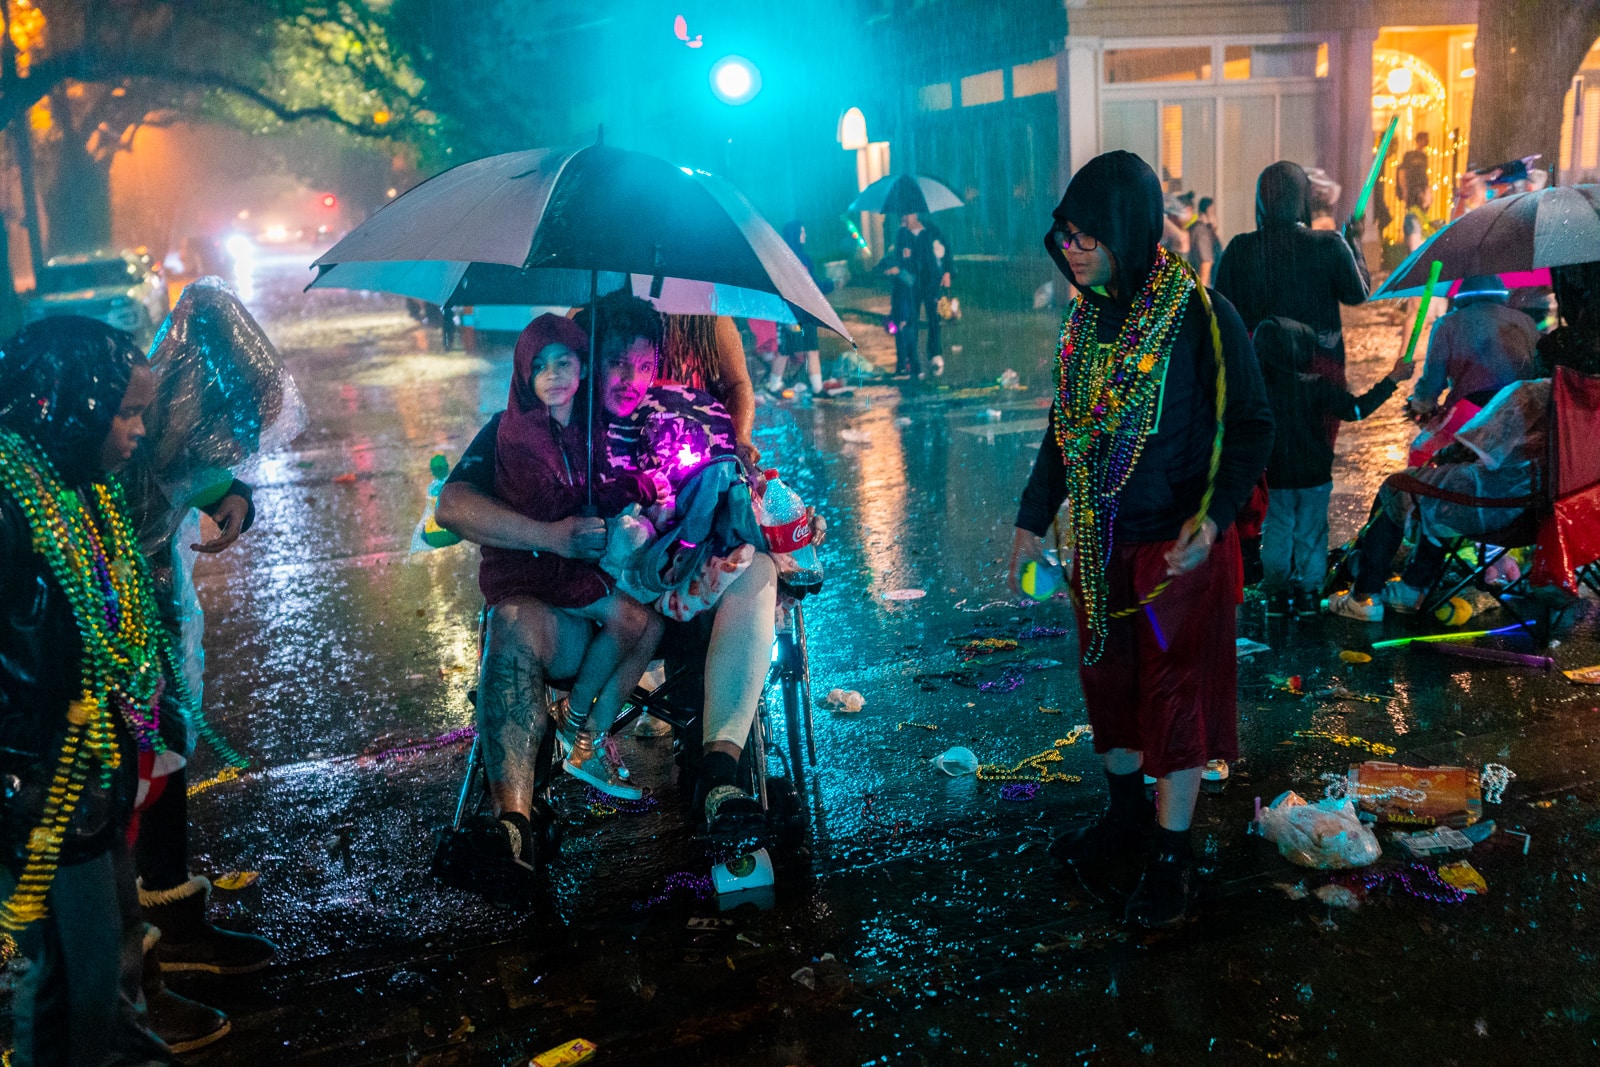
61, 382
1117, 199
1286, 268
1302, 455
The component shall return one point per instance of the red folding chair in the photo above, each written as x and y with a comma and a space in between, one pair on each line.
1560, 523
1569, 533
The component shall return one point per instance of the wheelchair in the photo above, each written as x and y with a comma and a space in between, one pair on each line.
677, 702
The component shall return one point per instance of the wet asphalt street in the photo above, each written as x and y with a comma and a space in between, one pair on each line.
927, 925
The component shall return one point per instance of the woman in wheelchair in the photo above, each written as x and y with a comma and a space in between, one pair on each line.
1484, 485
529, 644
519, 492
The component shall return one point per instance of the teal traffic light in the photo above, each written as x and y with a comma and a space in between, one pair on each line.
735, 80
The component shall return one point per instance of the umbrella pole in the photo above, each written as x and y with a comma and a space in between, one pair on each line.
594, 359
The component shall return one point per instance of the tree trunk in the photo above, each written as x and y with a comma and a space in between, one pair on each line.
77, 201
1526, 55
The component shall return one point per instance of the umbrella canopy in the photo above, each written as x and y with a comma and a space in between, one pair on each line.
556, 226
905, 194
1521, 232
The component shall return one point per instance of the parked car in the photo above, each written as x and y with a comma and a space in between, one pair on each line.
120, 289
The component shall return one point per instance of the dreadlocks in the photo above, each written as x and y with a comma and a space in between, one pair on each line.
689, 352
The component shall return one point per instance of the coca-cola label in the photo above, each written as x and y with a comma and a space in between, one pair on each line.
788, 536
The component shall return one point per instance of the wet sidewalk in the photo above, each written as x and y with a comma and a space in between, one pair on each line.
924, 924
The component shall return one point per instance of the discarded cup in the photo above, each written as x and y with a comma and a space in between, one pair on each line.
957, 762
751, 871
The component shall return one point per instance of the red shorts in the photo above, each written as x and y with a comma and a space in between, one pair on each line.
1177, 704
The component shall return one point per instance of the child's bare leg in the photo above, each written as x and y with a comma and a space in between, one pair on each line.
621, 684
624, 624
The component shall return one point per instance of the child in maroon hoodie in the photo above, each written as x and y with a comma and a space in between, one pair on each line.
540, 470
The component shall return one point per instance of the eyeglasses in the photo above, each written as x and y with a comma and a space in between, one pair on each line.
1083, 241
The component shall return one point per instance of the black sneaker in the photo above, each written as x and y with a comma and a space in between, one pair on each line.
1308, 603
1277, 605
1165, 896
729, 811
1107, 837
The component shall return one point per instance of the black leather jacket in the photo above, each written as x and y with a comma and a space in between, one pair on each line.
40, 675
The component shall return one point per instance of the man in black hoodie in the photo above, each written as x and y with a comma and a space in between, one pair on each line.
1286, 268
1159, 430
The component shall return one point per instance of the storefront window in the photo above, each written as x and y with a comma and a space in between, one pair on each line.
1245, 61
1129, 65
986, 88
1131, 126
936, 97
1029, 79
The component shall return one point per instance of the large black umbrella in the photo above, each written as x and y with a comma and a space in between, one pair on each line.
563, 226
905, 194
1553, 227
559, 226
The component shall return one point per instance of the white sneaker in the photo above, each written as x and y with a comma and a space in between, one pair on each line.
1406, 599
1351, 606
937, 363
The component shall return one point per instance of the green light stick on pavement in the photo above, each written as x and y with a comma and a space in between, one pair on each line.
1434, 270
1401, 642
1377, 169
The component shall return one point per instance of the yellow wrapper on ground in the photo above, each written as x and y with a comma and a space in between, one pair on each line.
1585, 675
1464, 876
573, 1052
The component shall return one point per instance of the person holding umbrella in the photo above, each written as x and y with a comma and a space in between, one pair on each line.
919, 261
920, 264
1159, 430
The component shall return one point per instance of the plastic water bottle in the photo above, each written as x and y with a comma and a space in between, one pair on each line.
783, 519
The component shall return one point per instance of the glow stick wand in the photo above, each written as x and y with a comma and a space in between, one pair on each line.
1377, 169
1434, 270
1399, 642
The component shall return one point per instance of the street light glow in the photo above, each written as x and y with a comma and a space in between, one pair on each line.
735, 80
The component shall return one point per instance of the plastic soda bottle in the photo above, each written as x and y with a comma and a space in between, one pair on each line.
783, 519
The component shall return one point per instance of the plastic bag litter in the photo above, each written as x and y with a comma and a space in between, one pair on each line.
846, 700
957, 762
1325, 835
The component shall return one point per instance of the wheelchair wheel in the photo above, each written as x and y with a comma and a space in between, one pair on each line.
794, 736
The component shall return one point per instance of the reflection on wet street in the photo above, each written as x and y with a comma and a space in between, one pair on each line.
925, 923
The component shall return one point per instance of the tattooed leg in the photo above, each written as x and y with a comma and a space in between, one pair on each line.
526, 642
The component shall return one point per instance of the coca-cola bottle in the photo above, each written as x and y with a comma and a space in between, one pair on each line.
783, 519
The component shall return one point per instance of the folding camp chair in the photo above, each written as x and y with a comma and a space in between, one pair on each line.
1559, 521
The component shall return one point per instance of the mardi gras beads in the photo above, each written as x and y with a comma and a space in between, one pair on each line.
1036, 764
1106, 406
99, 570
1348, 740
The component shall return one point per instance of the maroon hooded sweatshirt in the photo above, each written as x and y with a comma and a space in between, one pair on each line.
539, 472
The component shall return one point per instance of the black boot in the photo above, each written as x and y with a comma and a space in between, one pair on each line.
1165, 896
183, 1024
190, 943
1124, 830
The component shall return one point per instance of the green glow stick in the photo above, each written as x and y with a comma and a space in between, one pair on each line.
1377, 169
1401, 641
1434, 270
